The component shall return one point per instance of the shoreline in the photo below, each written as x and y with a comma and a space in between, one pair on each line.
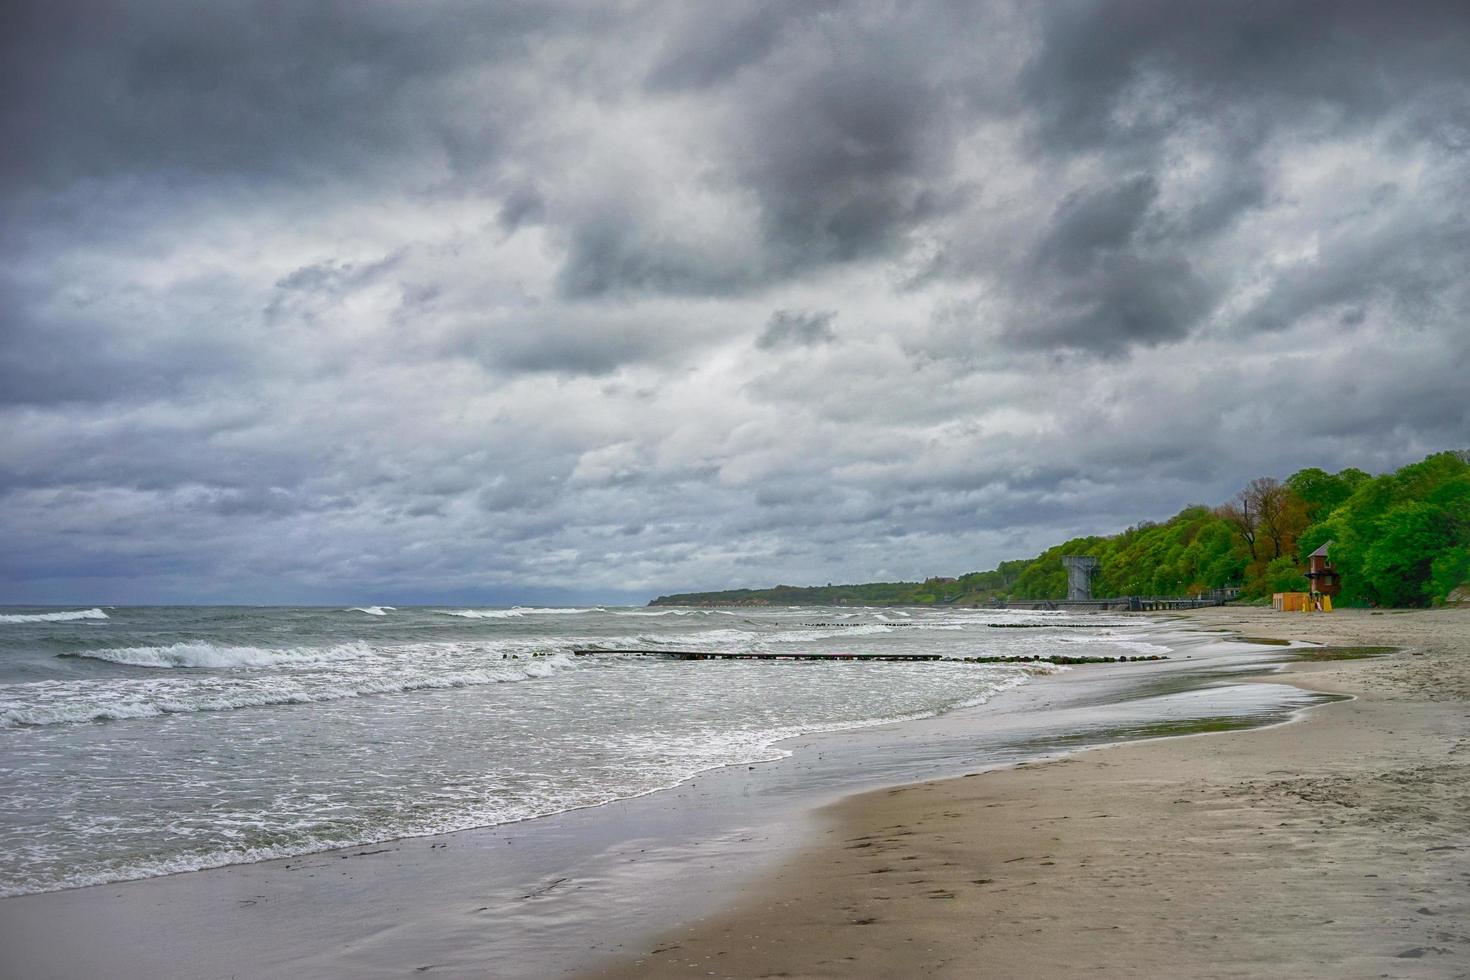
558, 895
1331, 847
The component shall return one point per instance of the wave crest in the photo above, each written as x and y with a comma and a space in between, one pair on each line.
60, 705
54, 617
207, 655
515, 613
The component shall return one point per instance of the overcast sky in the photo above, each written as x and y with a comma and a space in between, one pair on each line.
500, 302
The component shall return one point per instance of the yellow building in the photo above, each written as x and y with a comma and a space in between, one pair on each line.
1301, 602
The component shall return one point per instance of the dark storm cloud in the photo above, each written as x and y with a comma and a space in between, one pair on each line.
438, 299
1110, 286
837, 128
299, 91
611, 252
570, 340
1121, 71
1094, 223
1119, 301
1130, 80
845, 151
839, 125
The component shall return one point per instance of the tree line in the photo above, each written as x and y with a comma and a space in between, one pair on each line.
1398, 539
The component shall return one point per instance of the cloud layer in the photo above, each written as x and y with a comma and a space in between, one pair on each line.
461, 301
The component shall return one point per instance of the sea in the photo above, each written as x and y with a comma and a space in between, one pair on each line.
137, 742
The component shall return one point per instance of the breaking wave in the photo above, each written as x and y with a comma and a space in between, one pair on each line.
808, 635
515, 613
270, 836
53, 617
1125, 643
49, 704
207, 655
373, 610
660, 612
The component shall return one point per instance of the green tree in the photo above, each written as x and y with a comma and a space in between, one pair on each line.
1321, 492
1283, 575
1396, 566
1449, 570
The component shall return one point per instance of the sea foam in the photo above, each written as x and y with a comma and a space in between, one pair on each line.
363, 747
54, 617
657, 765
1125, 643
208, 655
63, 703
515, 613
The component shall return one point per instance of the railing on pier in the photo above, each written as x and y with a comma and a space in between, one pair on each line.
885, 657
1126, 603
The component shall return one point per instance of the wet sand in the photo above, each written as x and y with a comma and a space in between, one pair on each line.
1335, 846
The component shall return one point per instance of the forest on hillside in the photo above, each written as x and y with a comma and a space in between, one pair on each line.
1399, 539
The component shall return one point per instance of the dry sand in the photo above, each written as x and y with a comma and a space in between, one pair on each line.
1337, 846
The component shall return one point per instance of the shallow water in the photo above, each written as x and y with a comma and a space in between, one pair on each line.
143, 741
554, 895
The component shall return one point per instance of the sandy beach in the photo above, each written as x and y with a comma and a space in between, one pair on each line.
1334, 846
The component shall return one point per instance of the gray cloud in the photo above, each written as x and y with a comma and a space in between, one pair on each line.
1121, 299
705, 47
1124, 71
446, 300
1091, 224
846, 155
1111, 285
797, 328
164, 90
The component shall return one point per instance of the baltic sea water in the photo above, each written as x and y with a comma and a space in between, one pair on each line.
136, 742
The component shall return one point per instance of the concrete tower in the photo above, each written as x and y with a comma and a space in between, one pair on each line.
1080, 569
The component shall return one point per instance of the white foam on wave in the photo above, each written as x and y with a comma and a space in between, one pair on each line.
1137, 646
709, 637
483, 613
54, 617
372, 610
808, 635
1141, 647
741, 747
61, 703
662, 612
514, 613
208, 655
745, 640
711, 751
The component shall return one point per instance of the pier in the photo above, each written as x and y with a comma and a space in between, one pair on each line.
885, 657
1127, 603
714, 655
